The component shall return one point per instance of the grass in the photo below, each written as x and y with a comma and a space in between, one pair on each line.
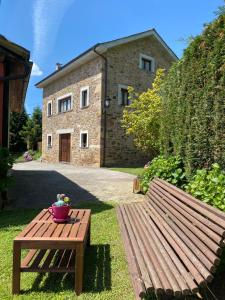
19, 156
106, 273
134, 171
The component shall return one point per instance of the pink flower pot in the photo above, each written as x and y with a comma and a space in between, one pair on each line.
59, 212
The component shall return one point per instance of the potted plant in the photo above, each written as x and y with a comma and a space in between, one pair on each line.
60, 209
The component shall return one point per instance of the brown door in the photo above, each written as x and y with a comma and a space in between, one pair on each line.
64, 147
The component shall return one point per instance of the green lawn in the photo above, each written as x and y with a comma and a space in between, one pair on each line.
106, 273
19, 156
134, 171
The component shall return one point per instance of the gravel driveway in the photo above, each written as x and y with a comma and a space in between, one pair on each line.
38, 183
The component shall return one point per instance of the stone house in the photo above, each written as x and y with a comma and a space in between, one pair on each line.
83, 100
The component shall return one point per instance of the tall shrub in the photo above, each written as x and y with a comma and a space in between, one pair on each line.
193, 102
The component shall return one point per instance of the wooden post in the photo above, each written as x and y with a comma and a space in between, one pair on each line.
16, 267
79, 265
1, 101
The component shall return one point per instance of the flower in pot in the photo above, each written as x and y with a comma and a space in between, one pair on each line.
60, 209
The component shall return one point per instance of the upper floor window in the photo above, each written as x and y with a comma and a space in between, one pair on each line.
84, 139
84, 97
64, 103
123, 95
147, 63
49, 140
49, 108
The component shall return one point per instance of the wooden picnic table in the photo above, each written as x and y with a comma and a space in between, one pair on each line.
54, 247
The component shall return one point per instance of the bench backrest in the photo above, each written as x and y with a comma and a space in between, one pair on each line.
204, 225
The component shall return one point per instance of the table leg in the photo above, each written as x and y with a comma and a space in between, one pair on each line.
79, 266
16, 268
89, 235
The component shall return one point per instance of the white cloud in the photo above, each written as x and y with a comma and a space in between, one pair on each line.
47, 17
36, 71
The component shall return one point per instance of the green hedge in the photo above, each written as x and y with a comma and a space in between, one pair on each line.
193, 102
205, 185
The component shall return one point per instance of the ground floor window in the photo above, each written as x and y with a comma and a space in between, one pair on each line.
84, 139
49, 140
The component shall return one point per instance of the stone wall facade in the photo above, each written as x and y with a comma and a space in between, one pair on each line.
123, 69
78, 119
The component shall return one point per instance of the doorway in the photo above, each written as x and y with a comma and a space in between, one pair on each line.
64, 147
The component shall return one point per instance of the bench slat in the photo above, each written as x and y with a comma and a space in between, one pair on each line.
154, 247
195, 234
218, 232
208, 211
151, 259
184, 236
148, 281
134, 270
177, 262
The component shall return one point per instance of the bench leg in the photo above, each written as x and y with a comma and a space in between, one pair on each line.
16, 268
79, 266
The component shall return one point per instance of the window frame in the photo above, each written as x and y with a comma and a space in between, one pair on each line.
81, 133
49, 146
60, 99
84, 88
49, 102
120, 88
149, 58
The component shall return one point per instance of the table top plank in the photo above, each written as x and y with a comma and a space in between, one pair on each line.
50, 230
74, 230
58, 230
66, 230
40, 215
81, 231
43, 229
35, 228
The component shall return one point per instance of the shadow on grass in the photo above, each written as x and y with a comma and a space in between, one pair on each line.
97, 274
21, 217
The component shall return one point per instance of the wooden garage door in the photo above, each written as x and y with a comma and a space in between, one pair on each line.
64, 147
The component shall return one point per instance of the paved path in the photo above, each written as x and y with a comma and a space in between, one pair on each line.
38, 183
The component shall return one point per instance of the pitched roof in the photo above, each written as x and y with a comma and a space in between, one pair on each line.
101, 48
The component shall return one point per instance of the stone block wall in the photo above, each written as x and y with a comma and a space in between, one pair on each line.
123, 69
78, 119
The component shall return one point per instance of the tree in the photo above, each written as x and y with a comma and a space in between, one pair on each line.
141, 117
17, 121
32, 130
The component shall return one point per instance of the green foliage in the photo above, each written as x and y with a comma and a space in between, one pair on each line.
193, 101
170, 169
17, 121
32, 130
209, 186
141, 117
6, 163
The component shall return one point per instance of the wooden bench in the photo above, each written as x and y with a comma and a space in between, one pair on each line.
172, 241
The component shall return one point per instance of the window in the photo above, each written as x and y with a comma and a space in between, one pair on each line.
64, 103
147, 63
84, 97
84, 139
49, 108
49, 140
123, 96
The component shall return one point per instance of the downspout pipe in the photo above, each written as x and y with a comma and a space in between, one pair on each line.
105, 95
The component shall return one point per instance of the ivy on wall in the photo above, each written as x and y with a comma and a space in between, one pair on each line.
193, 101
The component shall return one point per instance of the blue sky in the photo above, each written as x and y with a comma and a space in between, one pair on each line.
58, 30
